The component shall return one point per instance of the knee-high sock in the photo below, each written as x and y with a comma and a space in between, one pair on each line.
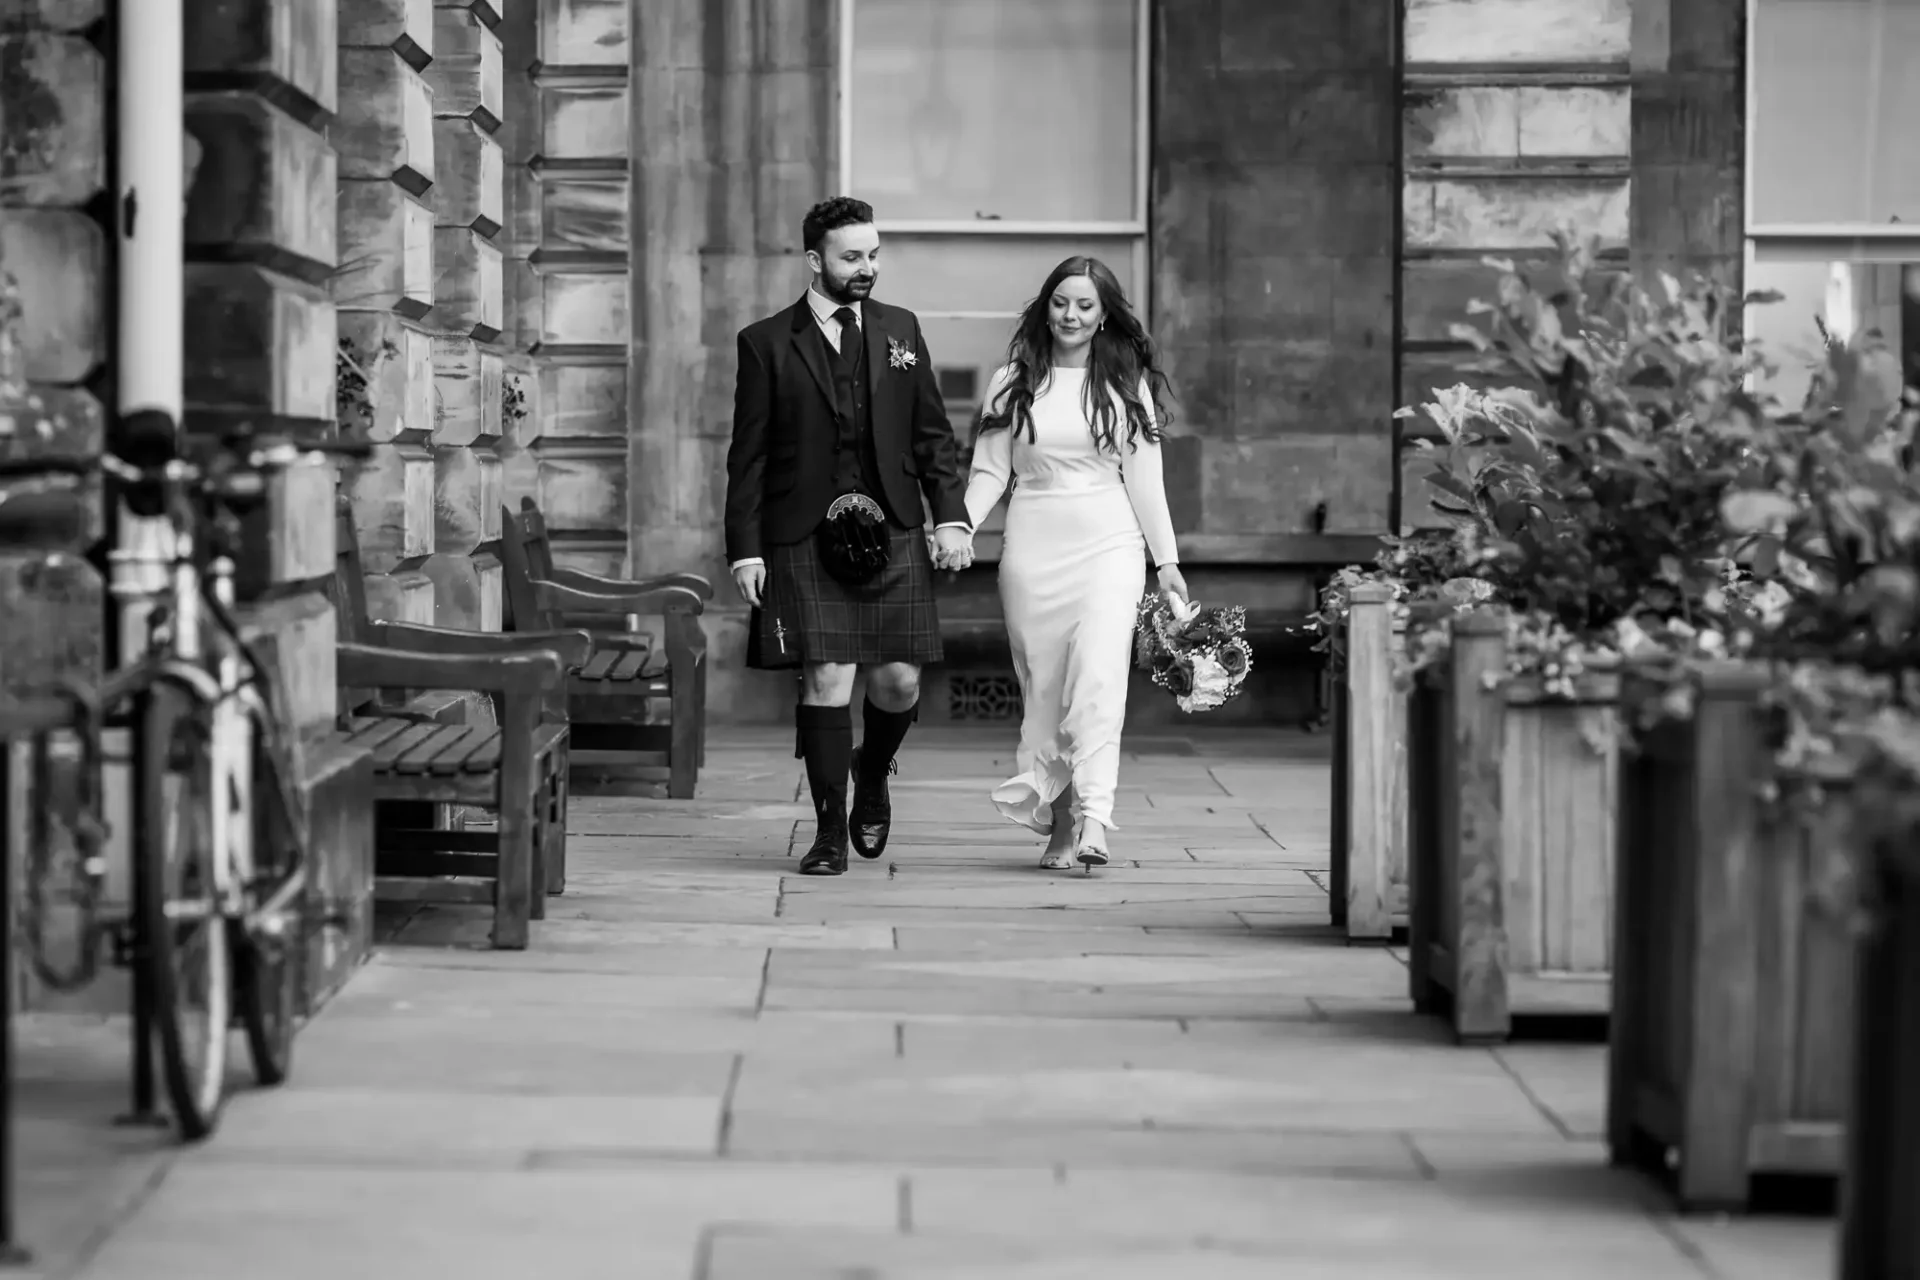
826, 744
884, 731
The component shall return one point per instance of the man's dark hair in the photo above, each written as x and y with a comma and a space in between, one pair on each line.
831, 215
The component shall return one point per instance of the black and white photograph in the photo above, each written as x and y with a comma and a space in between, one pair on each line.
949, 639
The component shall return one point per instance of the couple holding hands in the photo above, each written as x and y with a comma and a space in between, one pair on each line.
839, 431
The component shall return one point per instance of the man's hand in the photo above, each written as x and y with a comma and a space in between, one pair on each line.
952, 548
751, 579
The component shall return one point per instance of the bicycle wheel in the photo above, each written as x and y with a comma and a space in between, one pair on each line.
182, 929
267, 968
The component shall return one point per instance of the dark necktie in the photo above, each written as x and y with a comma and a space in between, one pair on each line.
849, 327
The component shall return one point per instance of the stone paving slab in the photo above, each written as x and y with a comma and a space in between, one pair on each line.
945, 1064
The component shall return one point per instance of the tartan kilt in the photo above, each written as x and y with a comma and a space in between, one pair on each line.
811, 616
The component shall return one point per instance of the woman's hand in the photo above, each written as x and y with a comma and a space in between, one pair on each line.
1171, 583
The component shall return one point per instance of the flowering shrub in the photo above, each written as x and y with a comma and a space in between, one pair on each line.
1635, 506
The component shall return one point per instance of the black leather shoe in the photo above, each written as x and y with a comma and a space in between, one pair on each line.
828, 856
872, 819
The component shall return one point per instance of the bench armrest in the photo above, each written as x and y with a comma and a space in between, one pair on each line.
373, 667
580, 580
572, 647
553, 597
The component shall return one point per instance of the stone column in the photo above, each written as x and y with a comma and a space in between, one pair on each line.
733, 138
1688, 138
468, 317
384, 287
53, 330
261, 246
521, 418
571, 224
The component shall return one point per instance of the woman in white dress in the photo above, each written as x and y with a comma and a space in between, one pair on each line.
1072, 420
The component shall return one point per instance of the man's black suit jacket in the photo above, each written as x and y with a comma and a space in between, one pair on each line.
780, 467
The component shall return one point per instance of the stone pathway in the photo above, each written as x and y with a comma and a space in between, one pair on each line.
945, 1064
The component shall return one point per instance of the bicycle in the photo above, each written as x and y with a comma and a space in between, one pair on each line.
216, 915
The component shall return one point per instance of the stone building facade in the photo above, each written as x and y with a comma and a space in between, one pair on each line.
534, 226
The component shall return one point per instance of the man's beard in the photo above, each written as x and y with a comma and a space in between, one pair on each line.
844, 292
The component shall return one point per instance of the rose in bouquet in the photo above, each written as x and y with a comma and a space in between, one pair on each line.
1199, 655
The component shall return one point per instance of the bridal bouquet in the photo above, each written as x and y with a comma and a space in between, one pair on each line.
1199, 655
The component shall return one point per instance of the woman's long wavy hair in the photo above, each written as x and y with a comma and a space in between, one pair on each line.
1121, 359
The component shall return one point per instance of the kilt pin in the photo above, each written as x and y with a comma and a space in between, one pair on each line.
816, 418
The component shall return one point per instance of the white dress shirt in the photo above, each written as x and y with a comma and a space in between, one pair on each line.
823, 309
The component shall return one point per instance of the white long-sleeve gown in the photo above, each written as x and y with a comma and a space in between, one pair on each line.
1071, 576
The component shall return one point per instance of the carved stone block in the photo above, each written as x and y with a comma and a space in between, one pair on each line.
265, 186
581, 33
467, 74
385, 125
304, 632
459, 501
457, 596
290, 538
525, 304
490, 12
493, 614
53, 118
263, 345
584, 123
585, 309
583, 399
386, 250
283, 48
584, 215
338, 779
584, 486
59, 15
404, 26
64, 600
468, 292
470, 382
50, 421
56, 259
406, 596
395, 361
471, 192
392, 498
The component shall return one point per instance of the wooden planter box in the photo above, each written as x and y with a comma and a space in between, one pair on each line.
1732, 987
1880, 1230
1367, 886
1510, 827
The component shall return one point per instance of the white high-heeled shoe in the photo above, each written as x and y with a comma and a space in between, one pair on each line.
1091, 853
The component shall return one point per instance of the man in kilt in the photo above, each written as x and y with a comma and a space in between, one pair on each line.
838, 430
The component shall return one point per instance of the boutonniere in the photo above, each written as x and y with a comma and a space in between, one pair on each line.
900, 355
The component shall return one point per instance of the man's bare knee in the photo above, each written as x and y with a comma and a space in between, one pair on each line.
827, 684
893, 686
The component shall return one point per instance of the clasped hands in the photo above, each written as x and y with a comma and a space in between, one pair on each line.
951, 547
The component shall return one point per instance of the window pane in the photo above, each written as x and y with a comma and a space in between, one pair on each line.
995, 108
985, 273
1835, 103
1857, 297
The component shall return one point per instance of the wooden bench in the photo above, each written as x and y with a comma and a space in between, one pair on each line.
614, 698
517, 768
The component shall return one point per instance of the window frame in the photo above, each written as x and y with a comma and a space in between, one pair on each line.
1136, 227
1853, 242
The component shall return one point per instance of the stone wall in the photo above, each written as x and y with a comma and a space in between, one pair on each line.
567, 256
1517, 119
53, 350
733, 137
261, 247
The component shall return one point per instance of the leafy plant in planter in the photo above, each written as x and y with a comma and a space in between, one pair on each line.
1596, 479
